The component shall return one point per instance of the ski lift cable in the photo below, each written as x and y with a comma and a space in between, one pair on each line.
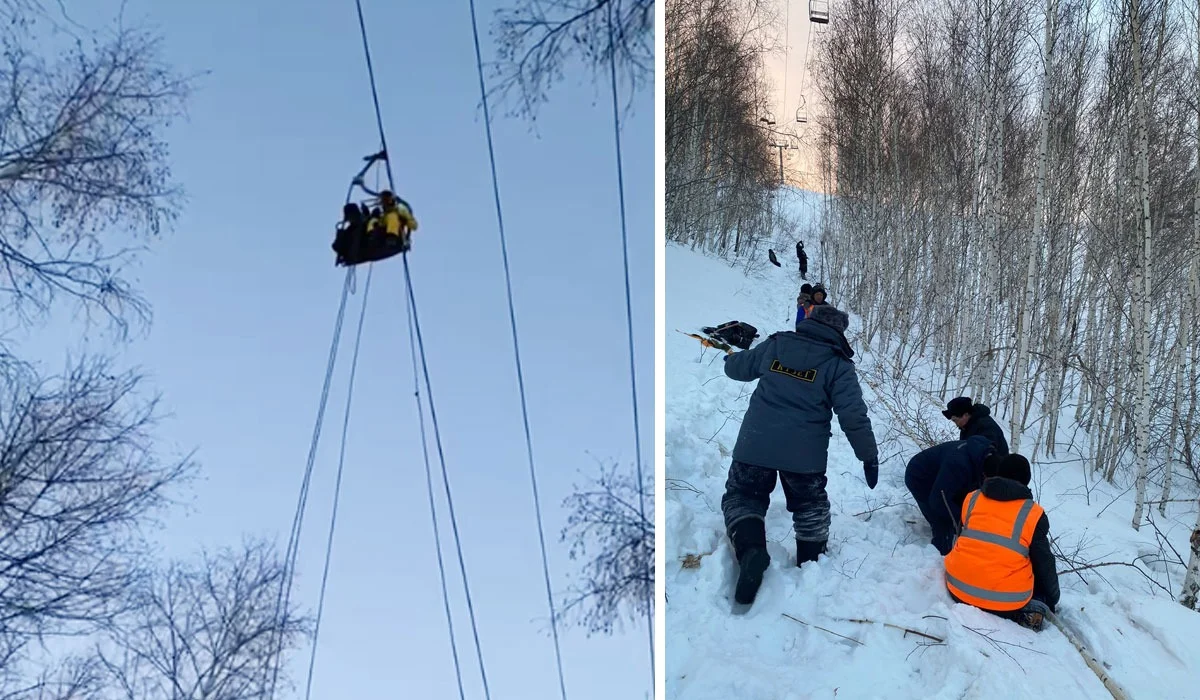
487, 121
637, 435
362, 25
293, 546
787, 19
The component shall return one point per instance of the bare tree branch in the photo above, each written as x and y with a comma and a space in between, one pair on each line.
539, 39
204, 631
83, 164
77, 478
616, 546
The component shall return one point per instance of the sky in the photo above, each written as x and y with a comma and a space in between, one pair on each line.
791, 80
245, 293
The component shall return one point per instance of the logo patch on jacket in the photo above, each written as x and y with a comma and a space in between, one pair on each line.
807, 375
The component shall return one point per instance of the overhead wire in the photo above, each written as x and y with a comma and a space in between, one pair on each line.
283, 602
637, 434
421, 347
437, 533
337, 488
487, 121
437, 437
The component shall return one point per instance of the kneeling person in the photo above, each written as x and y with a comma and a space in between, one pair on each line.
1001, 561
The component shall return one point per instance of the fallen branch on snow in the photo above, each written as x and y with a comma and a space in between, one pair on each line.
906, 630
806, 624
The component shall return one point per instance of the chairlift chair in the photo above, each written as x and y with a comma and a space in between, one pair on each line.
818, 11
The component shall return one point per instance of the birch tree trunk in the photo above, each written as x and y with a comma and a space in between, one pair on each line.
1191, 581
1039, 208
1141, 312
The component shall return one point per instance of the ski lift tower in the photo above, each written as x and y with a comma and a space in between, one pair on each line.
783, 143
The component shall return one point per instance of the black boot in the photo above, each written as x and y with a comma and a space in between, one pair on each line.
749, 539
807, 550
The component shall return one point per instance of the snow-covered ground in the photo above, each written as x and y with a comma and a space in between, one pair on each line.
837, 627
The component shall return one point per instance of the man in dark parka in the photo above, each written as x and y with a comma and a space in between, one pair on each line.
975, 419
939, 478
803, 377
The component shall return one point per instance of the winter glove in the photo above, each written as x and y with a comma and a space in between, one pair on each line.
709, 344
871, 471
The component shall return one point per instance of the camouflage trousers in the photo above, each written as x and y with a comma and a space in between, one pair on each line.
748, 495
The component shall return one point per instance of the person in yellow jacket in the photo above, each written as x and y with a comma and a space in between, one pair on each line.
1001, 560
395, 219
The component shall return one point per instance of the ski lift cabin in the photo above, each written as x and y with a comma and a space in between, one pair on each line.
818, 11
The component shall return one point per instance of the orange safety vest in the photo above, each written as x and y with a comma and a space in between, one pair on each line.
989, 565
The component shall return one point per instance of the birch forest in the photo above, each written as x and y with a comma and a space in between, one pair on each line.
721, 169
1031, 170
1013, 195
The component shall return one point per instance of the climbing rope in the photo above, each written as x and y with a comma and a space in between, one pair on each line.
283, 602
537, 506
637, 433
337, 488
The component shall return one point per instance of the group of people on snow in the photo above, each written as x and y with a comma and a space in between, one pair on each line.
974, 494
810, 295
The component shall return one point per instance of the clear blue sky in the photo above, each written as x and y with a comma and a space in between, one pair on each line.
245, 293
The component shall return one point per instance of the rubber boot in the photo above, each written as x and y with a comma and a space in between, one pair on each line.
749, 538
807, 550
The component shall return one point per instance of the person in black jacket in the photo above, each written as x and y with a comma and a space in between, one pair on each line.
989, 563
803, 258
975, 419
939, 478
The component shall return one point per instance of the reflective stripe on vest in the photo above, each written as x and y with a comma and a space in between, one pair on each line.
990, 568
1013, 541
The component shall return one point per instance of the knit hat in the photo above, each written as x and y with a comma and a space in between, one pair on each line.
830, 316
957, 407
806, 288
1015, 467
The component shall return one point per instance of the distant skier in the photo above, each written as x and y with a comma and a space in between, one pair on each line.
802, 375
803, 258
940, 477
975, 419
1001, 562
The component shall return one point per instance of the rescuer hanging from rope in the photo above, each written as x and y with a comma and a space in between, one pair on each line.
370, 233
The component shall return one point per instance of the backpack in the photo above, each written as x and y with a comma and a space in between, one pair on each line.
736, 333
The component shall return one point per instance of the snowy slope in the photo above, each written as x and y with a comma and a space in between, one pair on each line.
880, 566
